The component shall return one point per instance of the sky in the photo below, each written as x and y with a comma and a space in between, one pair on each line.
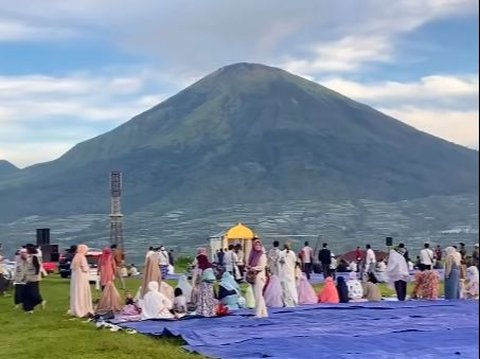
71, 70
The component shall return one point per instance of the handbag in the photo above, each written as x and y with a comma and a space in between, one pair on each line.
251, 276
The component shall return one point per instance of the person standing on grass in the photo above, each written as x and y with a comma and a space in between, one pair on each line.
31, 291
325, 258
307, 259
452, 273
106, 267
119, 258
397, 272
370, 260
230, 259
240, 263
19, 276
426, 258
257, 263
80, 292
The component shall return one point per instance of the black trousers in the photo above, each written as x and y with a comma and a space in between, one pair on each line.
31, 296
401, 289
307, 268
18, 296
325, 270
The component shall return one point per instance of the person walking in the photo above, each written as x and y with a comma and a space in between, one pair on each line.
397, 272
80, 292
325, 258
31, 291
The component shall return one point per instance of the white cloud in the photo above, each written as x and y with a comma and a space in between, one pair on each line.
460, 127
446, 89
15, 31
43, 116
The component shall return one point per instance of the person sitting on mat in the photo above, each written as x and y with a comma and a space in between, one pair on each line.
370, 289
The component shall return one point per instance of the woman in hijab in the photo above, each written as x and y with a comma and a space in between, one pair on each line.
154, 304
167, 290
355, 289
329, 293
80, 293
106, 267
342, 290
207, 303
201, 263
256, 265
397, 272
288, 262
273, 292
371, 290
229, 291
110, 301
151, 273
452, 274
306, 293
31, 292
185, 287
471, 289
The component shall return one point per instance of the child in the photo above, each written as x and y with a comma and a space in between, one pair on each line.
129, 298
179, 303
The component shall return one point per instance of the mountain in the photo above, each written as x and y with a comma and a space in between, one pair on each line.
6, 168
246, 133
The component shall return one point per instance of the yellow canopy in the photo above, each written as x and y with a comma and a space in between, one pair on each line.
239, 231
240, 234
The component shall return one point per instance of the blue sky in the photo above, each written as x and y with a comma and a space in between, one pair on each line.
71, 70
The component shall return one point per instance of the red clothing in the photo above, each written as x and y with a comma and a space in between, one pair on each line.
106, 267
329, 293
203, 262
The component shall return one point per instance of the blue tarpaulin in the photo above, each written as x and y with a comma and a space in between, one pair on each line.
414, 329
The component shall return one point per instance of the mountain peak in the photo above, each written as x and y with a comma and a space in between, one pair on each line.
7, 167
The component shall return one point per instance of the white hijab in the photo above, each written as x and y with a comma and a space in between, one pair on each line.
397, 268
155, 304
457, 257
185, 287
472, 275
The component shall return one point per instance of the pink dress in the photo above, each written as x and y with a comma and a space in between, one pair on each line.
273, 293
306, 293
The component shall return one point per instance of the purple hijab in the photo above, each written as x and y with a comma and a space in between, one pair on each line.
254, 254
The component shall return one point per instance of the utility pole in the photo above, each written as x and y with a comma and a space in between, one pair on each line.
116, 216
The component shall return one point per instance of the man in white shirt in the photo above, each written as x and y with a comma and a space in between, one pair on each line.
370, 260
426, 258
230, 260
307, 258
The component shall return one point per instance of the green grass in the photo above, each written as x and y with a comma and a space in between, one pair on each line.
51, 334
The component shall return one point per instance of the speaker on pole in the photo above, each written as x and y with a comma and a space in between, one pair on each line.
43, 236
389, 241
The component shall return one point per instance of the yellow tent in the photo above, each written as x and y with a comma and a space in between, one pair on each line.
239, 234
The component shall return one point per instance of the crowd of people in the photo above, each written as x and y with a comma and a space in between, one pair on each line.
275, 278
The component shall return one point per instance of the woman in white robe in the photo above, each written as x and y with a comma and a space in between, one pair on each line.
155, 305
257, 262
80, 293
288, 260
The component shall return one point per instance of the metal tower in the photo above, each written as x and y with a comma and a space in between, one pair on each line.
116, 216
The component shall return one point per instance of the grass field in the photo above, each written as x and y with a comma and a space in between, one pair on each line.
51, 333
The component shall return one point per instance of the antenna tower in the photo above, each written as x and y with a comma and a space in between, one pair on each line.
116, 216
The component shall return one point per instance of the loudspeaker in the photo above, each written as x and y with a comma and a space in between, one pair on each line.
389, 241
50, 252
43, 236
